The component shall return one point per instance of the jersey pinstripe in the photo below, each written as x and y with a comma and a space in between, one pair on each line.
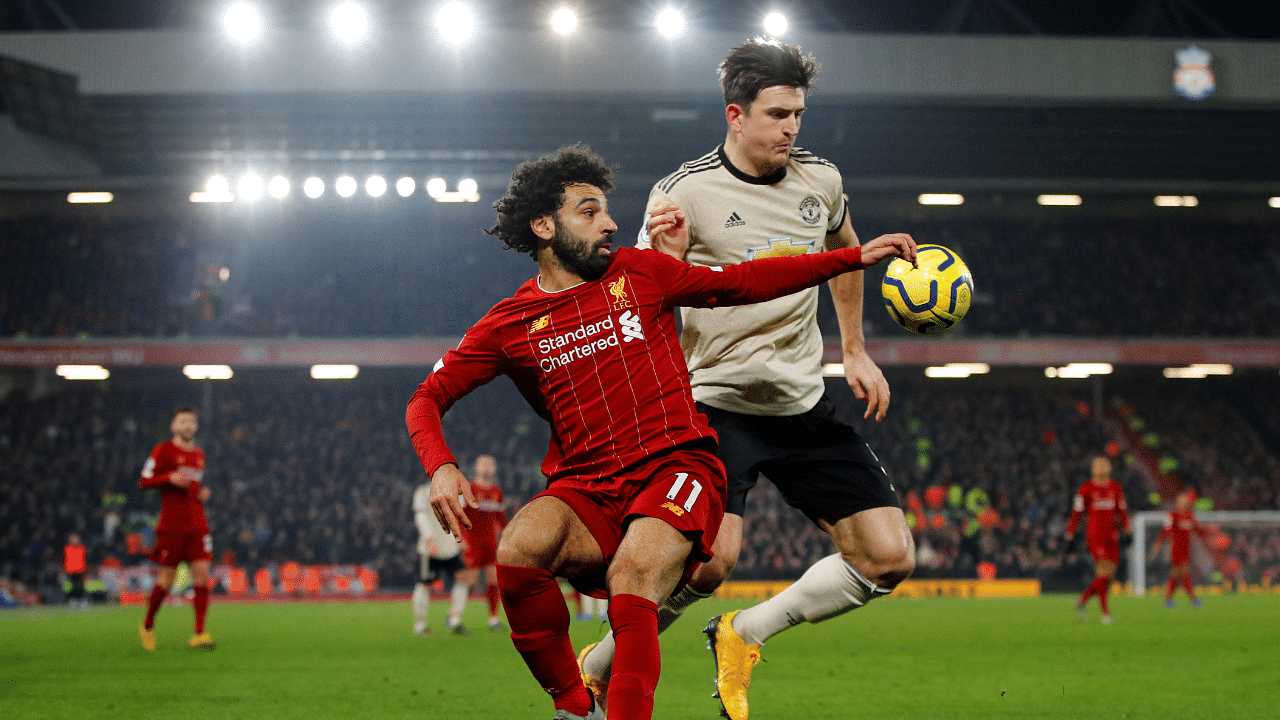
763, 359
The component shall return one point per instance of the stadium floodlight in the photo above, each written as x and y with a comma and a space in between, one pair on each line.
349, 22
455, 22
1274, 202
1177, 201
242, 22
77, 198
217, 185
224, 273
345, 186
833, 370
468, 187
957, 370
82, 372
775, 23
564, 21
1064, 200
207, 372
249, 188
1199, 370
1078, 370
278, 187
405, 186
375, 186
940, 199
436, 187
334, 372
670, 23
313, 187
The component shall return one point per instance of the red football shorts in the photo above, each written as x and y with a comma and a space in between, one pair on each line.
1106, 547
1179, 555
478, 554
175, 547
684, 487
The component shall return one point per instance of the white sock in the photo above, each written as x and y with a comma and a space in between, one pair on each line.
599, 662
831, 587
458, 603
421, 603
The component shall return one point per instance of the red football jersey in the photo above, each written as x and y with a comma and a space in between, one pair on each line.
601, 361
489, 519
1178, 528
1104, 503
180, 508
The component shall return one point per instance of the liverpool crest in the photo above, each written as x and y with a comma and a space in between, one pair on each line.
1193, 79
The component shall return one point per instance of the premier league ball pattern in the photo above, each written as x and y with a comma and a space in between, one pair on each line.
931, 298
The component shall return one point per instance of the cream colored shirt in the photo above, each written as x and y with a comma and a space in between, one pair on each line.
429, 527
762, 359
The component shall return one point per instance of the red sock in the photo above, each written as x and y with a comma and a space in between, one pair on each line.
1088, 592
158, 594
539, 621
1104, 587
491, 592
1186, 583
1169, 588
636, 661
201, 605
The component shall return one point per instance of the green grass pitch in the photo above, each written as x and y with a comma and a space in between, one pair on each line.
898, 658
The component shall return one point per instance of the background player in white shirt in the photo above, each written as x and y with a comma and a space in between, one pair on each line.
439, 556
757, 370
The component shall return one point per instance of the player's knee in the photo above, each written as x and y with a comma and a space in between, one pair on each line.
887, 567
712, 574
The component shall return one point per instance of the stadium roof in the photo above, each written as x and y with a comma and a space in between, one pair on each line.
1100, 18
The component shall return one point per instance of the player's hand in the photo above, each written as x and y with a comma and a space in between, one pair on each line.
668, 229
867, 382
891, 245
203, 494
446, 485
179, 479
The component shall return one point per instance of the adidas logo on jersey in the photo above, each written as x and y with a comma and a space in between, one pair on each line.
735, 220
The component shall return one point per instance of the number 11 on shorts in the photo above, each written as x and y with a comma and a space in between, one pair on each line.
695, 489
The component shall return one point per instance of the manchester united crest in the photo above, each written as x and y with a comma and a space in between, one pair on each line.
810, 210
1193, 79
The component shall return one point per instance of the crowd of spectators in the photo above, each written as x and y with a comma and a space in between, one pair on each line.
436, 273
299, 470
320, 473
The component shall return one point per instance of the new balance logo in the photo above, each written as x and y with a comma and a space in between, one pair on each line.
735, 220
630, 323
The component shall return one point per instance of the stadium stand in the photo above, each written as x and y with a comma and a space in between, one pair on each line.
322, 276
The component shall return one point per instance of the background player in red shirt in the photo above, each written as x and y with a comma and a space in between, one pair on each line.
1103, 499
480, 541
1178, 528
176, 469
635, 493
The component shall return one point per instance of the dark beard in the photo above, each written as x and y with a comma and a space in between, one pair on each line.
579, 256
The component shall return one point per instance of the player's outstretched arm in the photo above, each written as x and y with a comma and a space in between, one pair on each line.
447, 483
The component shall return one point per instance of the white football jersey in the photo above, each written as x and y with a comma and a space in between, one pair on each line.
762, 359
429, 527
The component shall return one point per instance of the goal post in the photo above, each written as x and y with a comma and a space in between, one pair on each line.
1147, 525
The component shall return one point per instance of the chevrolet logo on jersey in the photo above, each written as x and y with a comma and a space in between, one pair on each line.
539, 324
618, 289
779, 247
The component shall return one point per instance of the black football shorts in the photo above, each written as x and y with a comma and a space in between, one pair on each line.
822, 467
429, 569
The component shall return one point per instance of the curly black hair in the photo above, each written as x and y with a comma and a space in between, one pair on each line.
537, 188
759, 63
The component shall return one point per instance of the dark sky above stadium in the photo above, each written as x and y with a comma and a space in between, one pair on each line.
1227, 19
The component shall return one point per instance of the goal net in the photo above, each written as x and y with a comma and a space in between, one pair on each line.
1240, 547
